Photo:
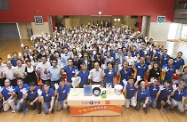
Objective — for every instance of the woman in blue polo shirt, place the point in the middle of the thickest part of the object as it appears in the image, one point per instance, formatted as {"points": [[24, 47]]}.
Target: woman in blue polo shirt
{"points": [[143, 95], [70, 70], [83, 74], [7, 94], [178, 96], [33, 97], [169, 69], [130, 91], [164, 94], [125, 72], [48, 98], [109, 74], [62, 93], [22, 91]]}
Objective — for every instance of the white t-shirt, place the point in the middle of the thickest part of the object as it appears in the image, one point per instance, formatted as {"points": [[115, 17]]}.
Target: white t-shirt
{"points": [[41, 68], [9, 73]]}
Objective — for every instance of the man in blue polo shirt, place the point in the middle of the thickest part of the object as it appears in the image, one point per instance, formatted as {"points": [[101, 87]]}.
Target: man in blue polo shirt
{"points": [[62, 93], [70, 70], [169, 69], [83, 74], [178, 96], [7, 94], [164, 58], [178, 61], [125, 72], [22, 91], [48, 97], [143, 95], [130, 91], [33, 97], [141, 68], [164, 94]]}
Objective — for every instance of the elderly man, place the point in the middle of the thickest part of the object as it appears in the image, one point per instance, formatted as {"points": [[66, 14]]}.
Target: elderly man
{"points": [[10, 73], [96, 74], [20, 69]]}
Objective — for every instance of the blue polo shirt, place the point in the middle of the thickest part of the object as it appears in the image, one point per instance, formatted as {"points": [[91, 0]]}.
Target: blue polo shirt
{"points": [[70, 72], [13, 61], [32, 95], [6, 93], [130, 91], [18, 90], [109, 77], [142, 53], [54, 73], [63, 92], [178, 95], [164, 93], [170, 72], [153, 90], [178, 63], [84, 76], [134, 53], [165, 59], [141, 69], [148, 62], [142, 95], [125, 75], [48, 96]]}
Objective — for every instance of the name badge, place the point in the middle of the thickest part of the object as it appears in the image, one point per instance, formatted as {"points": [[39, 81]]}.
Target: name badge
{"points": [[46, 95], [109, 72], [63, 91]]}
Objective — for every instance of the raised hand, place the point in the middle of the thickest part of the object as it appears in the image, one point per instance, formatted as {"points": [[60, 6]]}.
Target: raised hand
{"points": [[56, 86], [39, 92]]}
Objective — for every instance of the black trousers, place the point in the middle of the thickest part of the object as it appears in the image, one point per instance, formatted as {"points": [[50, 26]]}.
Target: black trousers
{"points": [[138, 105], [166, 105], [37, 104], [2, 81], [53, 83], [13, 82]]}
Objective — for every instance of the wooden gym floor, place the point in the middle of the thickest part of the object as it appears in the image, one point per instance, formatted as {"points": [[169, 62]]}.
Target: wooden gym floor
{"points": [[128, 115]]}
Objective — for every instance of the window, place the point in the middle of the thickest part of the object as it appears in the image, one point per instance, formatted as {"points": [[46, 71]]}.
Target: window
{"points": [[4, 4]]}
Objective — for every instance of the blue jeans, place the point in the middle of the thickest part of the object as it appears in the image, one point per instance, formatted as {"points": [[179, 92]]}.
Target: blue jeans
{"points": [[21, 106], [47, 106], [152, 102]]}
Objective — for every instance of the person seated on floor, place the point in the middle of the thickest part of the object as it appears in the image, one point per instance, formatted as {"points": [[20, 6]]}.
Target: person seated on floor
{"points": [[22, 91], [164, 94], [33, 97], [7, 94], [178, 96], [143, 95], [62, 91], [48, 97], [130, 91]]}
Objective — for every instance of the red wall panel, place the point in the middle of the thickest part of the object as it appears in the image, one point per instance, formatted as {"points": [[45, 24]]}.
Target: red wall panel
{"points": [[24, 10]]}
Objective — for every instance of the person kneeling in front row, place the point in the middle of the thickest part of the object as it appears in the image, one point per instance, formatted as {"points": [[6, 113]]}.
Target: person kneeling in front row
{"points": [[142, 95], [48, 97], [178, 96], [7, 94], [22, 91], [62, 91], [33, 97], [130, 91]]}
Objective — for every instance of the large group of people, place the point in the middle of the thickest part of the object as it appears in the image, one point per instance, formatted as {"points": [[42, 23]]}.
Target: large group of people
{"points": [[101, 55]]}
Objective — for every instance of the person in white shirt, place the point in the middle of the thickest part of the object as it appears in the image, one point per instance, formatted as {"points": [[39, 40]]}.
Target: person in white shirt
{"points": [[20, 69], [129, 58], [66, 56], [41, 67], [10, 73], [96, 74], [2, 68]]}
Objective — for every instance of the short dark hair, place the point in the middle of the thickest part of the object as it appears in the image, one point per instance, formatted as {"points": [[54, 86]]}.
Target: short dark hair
{"points": [[47, 83], [62, 80], [32, 83]]}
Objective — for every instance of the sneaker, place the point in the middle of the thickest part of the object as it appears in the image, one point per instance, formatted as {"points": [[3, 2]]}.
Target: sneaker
{"points": [[164, 110], [39, 111], [25, 111], [13, 111], [145, 110]]}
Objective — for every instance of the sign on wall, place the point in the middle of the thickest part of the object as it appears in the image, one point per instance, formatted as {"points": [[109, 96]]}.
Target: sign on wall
{"points": [[38, 20], [161, 19]]}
